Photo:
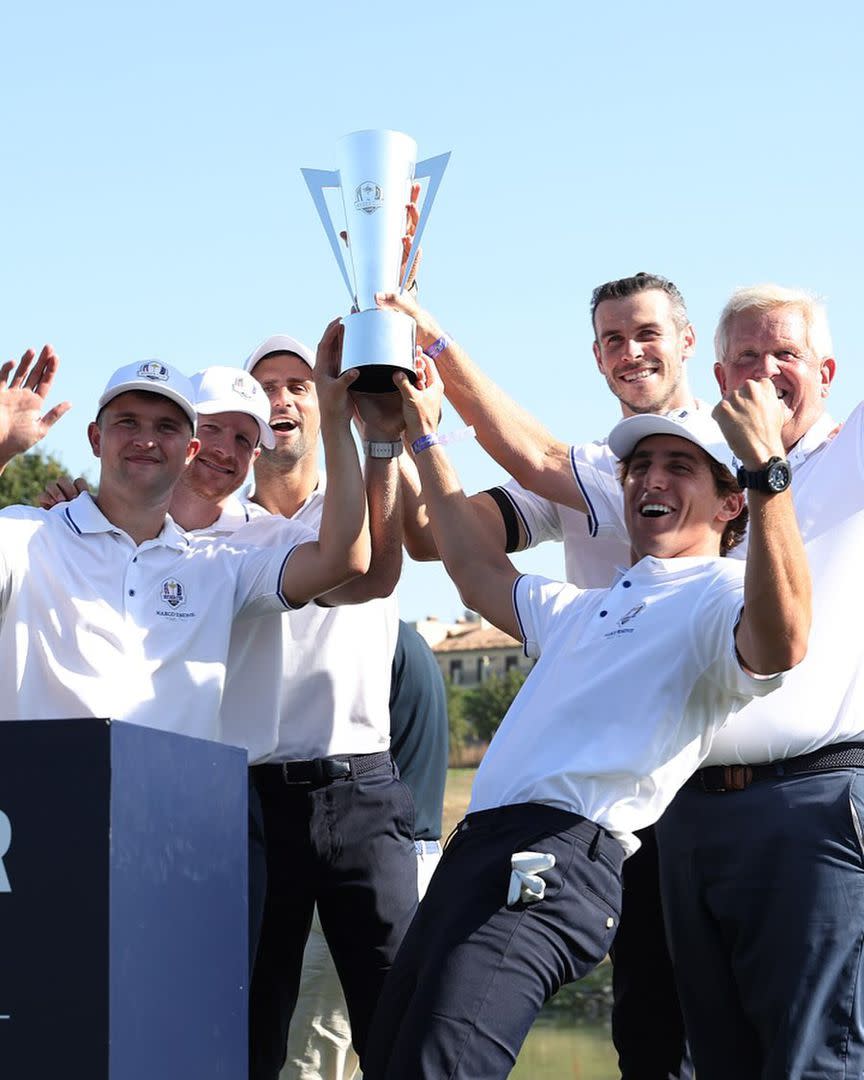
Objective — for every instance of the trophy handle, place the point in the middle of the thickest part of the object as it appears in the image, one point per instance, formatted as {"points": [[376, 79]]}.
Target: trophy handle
{"points": [[316, 181], [433, 170]]}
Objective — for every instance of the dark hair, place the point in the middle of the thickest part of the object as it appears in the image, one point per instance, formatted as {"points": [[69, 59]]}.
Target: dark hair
{"points": [[641, 282], [724, 484]]}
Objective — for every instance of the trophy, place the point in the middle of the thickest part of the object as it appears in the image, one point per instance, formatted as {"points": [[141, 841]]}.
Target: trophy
{"points": [[376, 170]]}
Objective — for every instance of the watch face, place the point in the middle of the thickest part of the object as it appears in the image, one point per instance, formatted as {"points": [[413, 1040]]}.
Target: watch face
{"points": [[779, 476]]}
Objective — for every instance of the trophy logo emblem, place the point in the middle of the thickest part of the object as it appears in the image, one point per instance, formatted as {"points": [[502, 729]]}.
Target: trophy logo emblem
{"points": [[173, 592], [377, 341], [367, 197], [152, 369]]}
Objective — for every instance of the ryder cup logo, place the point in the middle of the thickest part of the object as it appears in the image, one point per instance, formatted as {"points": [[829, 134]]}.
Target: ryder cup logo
{"points": [[173, 592], [153, 370], [5, 843], [367, 197]]}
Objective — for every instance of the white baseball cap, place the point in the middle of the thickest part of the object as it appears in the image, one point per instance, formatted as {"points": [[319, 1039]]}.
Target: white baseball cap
{"points": [[280, 343], [225, 389], [156, 378], [697, 426]]}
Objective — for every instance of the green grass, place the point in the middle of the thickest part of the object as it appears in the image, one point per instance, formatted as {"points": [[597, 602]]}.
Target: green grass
{"points": [[456, 796]]}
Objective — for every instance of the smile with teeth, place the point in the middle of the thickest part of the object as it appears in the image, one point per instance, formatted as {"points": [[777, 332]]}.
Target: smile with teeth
{"points": [[283, 425], [655, 509], [637, 376]]}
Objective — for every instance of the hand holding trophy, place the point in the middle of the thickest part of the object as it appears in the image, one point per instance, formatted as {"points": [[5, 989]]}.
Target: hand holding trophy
{"points": [[375, 175]]}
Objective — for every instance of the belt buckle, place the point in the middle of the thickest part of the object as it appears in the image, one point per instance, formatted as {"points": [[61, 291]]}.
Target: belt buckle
{"points": [[286, 779], [328, 769], [737, 777]]}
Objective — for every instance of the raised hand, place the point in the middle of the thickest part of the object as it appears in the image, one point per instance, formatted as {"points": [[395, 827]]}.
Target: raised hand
{"points": [[421, 403], [332, 388], [751, 419], [23, 390]]}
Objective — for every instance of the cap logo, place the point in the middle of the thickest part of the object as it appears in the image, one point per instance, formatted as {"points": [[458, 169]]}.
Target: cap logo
{"points": [[153, 370], [367, 197], [245, 386], [173, 592]]}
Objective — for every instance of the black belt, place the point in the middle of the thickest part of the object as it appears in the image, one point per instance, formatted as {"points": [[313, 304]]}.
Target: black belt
{"points": [[318, 771], [720, 778]]}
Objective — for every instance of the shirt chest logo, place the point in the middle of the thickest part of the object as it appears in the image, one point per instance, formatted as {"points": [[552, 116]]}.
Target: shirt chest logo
{"points": [[173, 593], [631, 614]]}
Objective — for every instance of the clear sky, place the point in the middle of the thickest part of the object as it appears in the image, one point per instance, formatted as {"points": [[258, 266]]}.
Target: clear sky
{"points": [[151, 202]]}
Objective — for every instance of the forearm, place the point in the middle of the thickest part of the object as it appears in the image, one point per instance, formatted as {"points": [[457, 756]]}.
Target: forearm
{"points": [[514, 438], [341, 551], [475, 562], [775, 625], [384, 499]]}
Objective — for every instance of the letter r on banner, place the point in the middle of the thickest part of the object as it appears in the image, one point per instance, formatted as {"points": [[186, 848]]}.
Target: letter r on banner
{"points": [[5, 841]]}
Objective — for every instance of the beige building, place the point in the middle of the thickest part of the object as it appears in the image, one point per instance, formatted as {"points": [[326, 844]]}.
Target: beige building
{"points": [[472, 650]]}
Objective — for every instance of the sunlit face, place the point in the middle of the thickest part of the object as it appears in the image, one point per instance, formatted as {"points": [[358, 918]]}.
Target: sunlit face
{"points": [[144, 442], [294, 416], [773, 345], [228, 448], [641, 351], [671, 504]]}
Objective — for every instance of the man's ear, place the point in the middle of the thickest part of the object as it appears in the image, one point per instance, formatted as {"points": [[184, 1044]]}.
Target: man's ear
{"points": [[732, 505], [192, 450], [688, 339], [596, 349], [720, 376], [827, 369], [94, 437]]}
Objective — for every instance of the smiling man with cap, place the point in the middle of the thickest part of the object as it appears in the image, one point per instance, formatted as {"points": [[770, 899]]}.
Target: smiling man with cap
{"points": [[151, 610], [630, 685]]}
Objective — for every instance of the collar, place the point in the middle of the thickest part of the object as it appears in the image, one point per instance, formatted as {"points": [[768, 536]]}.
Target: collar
{"points": [[84, 517], [814, 439], [650, 566]]}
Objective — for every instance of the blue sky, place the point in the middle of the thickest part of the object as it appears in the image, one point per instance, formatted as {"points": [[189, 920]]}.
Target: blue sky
{"points": [[151, 202]]}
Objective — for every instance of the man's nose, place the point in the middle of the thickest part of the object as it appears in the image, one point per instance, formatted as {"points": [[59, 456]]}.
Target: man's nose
{"points": [[633, 349], [766, 367]]}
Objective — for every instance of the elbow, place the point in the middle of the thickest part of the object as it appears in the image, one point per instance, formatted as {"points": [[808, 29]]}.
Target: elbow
{"points": [[359, 560]]}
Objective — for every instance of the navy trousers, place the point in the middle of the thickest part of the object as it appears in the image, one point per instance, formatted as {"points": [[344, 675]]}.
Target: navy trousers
{"points": [[763, 891], [473, 972], [647, 1025], [348, 846]]}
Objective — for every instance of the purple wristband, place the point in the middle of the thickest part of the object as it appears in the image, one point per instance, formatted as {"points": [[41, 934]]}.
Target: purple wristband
{"points": [[424, 442], [437, 347]]}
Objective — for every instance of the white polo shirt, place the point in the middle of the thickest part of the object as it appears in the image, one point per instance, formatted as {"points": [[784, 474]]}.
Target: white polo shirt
{"points": [[593, 547], [822, 700], [92, 624], [332, 685], [253, 680], [631, 684]]}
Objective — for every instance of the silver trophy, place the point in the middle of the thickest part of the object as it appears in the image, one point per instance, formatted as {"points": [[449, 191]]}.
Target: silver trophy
{"points": [[376, 170]]}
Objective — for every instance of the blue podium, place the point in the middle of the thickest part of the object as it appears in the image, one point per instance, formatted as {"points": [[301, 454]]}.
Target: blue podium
{"points": [[123, 904]]}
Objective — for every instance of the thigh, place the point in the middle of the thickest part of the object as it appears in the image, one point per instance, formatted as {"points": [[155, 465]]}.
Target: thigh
{"points": [[473, 972], [781, 887], [367, 894], [647, 1025], [288, 908]]}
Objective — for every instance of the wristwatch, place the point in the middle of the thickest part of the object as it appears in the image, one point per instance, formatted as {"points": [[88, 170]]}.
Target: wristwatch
{"points": [[775, 476], [382, 449]]}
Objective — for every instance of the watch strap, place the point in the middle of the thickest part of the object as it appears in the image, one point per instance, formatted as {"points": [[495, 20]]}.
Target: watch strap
{"points": [[382, 449]]}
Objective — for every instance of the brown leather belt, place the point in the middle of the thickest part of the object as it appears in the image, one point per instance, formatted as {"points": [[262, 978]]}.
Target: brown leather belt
{"points": [[722, 778]]}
